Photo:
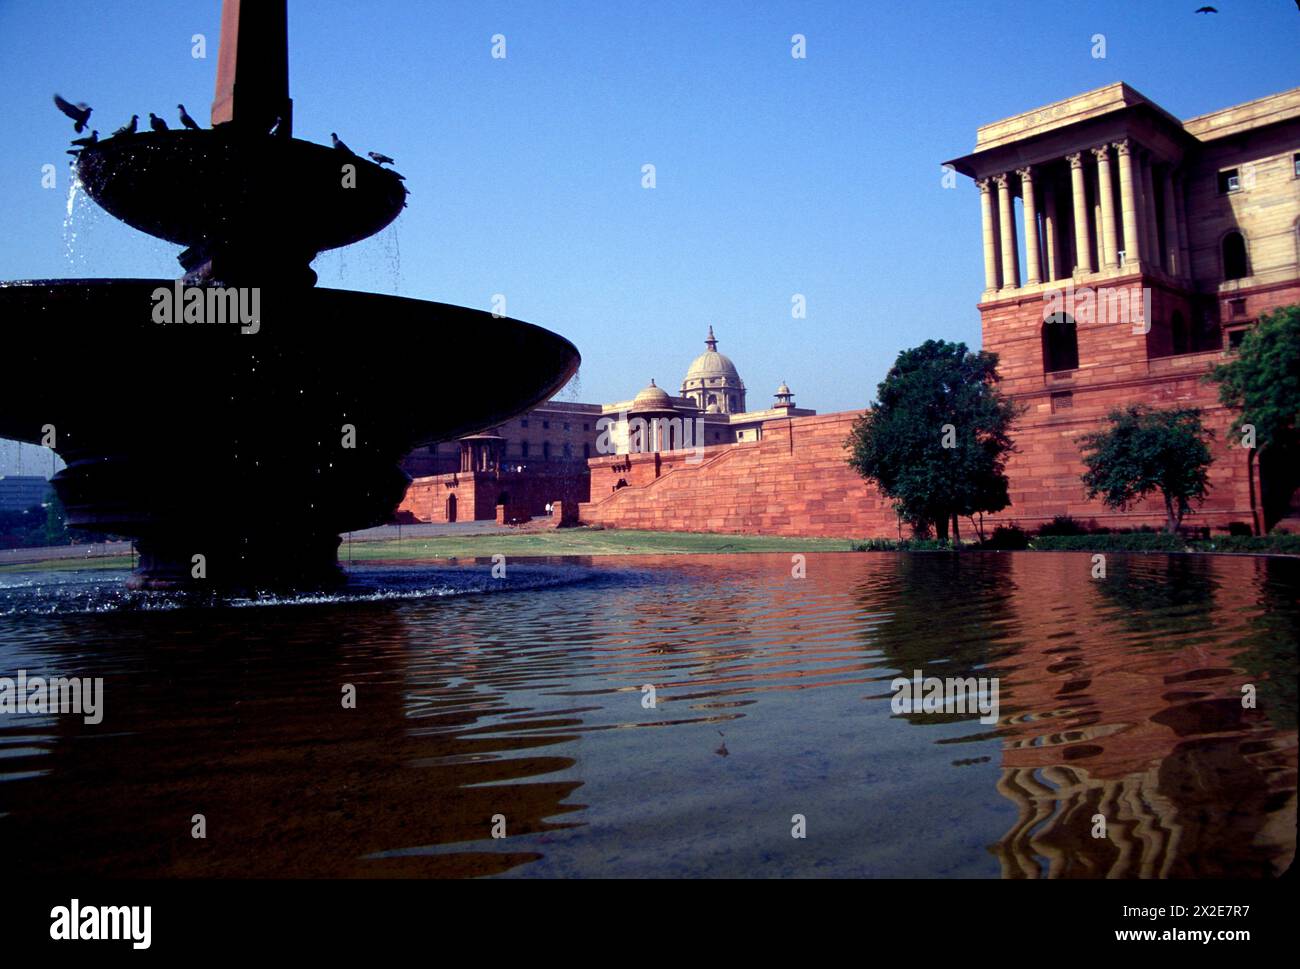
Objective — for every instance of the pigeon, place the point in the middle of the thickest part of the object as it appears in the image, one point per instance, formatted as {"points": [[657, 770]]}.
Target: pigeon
{"points": [[79, 112], [339, 146], [186, 120], [157, 123], [128, 128], [279, 129], [87, 141], [1207, 10], [379, 158]]}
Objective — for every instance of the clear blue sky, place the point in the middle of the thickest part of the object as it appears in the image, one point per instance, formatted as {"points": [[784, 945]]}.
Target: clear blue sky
{"points": [[775, 176]]}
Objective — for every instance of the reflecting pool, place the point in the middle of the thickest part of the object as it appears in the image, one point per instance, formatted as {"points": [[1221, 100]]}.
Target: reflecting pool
{"points": [[666, 716]]}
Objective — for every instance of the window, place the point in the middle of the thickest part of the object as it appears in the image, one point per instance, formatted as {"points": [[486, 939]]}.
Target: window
{"points": [[731, 401], [523, 448], [568, 450], [586, 450], [546, 450], [1062, 401], [1234, 256], [524, 422], [1060, 344], [1295, 163], [586, 427], [1236, 335], [1228, 181], [1179, 335], [1237, 308], [546, 425], [713, 398], [566, 425]]}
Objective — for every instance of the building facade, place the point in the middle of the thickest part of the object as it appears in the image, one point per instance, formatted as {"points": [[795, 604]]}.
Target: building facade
{"points": [[1126, 253], [546, 455]]}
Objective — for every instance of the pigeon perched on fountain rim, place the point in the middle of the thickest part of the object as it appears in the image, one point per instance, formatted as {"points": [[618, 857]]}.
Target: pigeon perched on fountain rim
{"points": [[128, 128], [79, 112], [186, 120], [339, 145], [157, 123]]}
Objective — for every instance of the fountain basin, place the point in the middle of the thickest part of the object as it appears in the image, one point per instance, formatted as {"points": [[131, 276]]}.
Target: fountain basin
{"points": [[198, 438], [223, 187]]}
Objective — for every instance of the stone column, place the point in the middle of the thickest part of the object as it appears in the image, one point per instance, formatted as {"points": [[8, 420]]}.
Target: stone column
{"points": [[1172, 259], [990, 242], [1128, 202], [1082, 233], [1184, 251], [1151, 224], [1007, 223], [1033, 271], [1051, 229], [1105, 189]]}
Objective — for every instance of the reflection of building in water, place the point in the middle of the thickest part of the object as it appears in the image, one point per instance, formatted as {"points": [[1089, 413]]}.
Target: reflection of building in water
{"points": [[1150, 734]]}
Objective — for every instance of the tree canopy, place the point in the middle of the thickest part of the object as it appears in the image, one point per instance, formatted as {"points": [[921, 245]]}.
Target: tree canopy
{"points": [[937, 436], [1144, 451], [1263, 381]]}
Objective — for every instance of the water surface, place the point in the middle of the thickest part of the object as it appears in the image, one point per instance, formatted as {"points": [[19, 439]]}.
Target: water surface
{"points": [[521, 699]]}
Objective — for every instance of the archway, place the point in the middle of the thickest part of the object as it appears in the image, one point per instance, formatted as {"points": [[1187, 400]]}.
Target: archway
{"points": [[1060, 343], [451, 508], [1234, 256]]}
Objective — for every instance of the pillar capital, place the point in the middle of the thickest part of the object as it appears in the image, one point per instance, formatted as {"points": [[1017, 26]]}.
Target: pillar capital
{"points": [[1075, 160], [1101, 152], [1123, 147], [1026, 174], [1000, 180], [983, 184]]}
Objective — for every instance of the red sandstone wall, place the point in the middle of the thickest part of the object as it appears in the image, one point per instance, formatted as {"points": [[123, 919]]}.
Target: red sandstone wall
{"points": [[477, 493], [795, 481]]}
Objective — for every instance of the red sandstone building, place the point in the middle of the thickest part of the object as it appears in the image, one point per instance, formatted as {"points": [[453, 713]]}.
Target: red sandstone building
{"points": [[515, 470], [1125, 253]]}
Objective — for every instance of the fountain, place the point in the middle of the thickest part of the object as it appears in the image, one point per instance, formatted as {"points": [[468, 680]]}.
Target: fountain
{"points": [[245, 446]]}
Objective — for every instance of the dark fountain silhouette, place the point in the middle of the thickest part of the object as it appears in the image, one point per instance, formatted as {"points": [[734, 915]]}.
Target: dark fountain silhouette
{"points": [[255, 445]]}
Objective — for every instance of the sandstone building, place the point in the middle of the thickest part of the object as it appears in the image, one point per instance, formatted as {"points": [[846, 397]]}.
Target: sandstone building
{"points": [[1125, 253], [516, 469]]}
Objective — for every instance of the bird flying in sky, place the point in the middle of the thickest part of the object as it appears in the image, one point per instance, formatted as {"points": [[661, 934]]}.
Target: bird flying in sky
{"points": [[79, 112]]}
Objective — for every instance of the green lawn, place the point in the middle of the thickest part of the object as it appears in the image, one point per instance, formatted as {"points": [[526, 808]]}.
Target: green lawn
{"points": [[584, 541], [561, 541]]}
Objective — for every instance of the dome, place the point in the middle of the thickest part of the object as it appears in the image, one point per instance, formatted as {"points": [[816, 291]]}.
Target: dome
{"points": [[783, 390], [713, 383], [712, 364], [652, 398]]}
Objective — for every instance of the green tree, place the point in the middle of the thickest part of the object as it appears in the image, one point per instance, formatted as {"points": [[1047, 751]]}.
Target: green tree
{"points": [[937, 436], [1144, 451], [1262, 383]]}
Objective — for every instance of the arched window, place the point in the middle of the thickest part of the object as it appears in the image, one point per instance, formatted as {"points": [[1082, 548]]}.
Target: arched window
{"points": [[1234, 256], [731, 401], [1060, 343], [1179, 334]]}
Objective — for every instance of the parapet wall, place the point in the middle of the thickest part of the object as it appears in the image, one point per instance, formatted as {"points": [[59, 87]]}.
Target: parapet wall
{"points": [[794, 481]]}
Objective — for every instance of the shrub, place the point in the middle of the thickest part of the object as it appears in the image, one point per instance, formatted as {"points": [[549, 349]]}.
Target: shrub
{"points": [[1008, 538], [1063, 525]]}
